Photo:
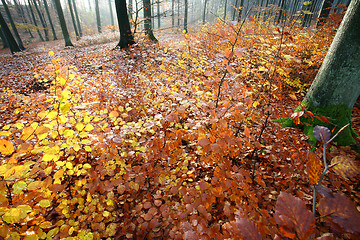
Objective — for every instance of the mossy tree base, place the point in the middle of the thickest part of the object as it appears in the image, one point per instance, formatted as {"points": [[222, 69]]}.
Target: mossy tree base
{"points": [[338, 116]]}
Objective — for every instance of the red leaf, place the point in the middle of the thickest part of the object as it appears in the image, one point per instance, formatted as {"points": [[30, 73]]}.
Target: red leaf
{"points": [[248, 229], [293, 216]]}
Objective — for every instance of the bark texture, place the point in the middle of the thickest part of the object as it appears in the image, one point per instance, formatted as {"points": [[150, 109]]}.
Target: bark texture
{"points": [[126, 37]]}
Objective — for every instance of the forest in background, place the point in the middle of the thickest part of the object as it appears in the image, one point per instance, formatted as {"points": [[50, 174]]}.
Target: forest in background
{"points": [[176, 139]]}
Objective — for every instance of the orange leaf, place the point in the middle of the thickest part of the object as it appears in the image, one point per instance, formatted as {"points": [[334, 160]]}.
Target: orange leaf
{"points": [[6, 147], [247, 132], [313, 168]]}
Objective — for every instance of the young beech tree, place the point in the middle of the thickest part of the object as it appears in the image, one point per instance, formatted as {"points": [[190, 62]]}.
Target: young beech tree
{"points": [[147, 21], [336, 87], [64, 29], [126, 37]]}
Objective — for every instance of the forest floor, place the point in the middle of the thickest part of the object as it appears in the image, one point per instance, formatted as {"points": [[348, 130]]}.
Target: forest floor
{"points": [[144, 144]]}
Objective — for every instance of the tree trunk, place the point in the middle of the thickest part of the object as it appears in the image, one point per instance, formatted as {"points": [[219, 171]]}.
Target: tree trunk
{"points": [[50, 21], [3, 39], [21, 13], [111, 14], [225, 9], [17, 36], [126, 37], [147, 21], [34, 20], [337, 85], [158, 13], [325, 11], [77, 18], [14, 47], [204, 11], [73, 19], [42, 21], [172, 13], [186, 15], [98, 20], [64, 29]]}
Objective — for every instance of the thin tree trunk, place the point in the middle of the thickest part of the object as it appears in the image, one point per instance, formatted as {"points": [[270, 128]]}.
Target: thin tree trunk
{"points": [[42, 20], [111, 14], [98, 20], [225, 9], [64, 29], [158, 13], [147, 21], [73, 19], [50, 21], [77, 18], [21, 13], [126, 37], [186, 16], [14, 47], [17, 36], [178, 13], [172, 13], [34, 20], [204, 11]]}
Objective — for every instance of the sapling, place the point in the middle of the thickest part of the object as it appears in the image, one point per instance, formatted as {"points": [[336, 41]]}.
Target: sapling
{"points": [[323, 134]]}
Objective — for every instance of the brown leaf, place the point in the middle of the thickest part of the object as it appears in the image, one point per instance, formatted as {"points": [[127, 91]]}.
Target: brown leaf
{"points": [[248, 229], [345, 166], [293, 216], [313, 168], [342, 212]]}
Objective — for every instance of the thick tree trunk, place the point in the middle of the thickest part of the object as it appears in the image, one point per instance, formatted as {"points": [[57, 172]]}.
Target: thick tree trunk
{"points": [[204, 11], [158, 13], [50, 21], [337, 85], [147, 21], [3, 39], [14, 47], [126, 37], [64, 29], [17, 36], [98, 20]]}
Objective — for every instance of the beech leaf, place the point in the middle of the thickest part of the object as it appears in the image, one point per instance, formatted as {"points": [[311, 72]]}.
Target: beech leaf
{"points": [[293, 216], [322, 134]]}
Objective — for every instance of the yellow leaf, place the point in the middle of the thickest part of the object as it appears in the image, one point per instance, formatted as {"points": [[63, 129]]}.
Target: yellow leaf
{"points": [[12, 216], [48, 157], [68, 133], [20, 125], [45, 203], [69, 165], [6, 147], [65, 108], [26, 133], [51, 53], [255, 104], [5, 133], [52, 114], [76, 147], [89, 127], [87, 166], [35, 185], [79, 126], [87, 148]]}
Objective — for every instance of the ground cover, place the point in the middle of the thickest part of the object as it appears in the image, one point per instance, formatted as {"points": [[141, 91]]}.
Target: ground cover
{"points": [[172, 140]]}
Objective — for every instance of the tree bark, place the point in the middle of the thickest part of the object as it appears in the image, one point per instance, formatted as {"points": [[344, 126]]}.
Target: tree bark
{"points": [[186, 16], [204, 11], [63, 26], [77, 18], [126, 37], [21, 13], [111, 14], [158, 13], [3, 39], [336, 87], [73, 18], [17, 36], [98, 20], [34, 20], [42, 20], [14, 47], [147, 21], [50, 21], [325, 11]]}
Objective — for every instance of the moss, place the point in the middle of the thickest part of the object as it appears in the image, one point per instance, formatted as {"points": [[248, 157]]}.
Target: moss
{"points": [[338, 116]]}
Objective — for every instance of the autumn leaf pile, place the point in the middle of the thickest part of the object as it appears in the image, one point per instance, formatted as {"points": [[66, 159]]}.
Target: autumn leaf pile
{"points": [[171, 141]]}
